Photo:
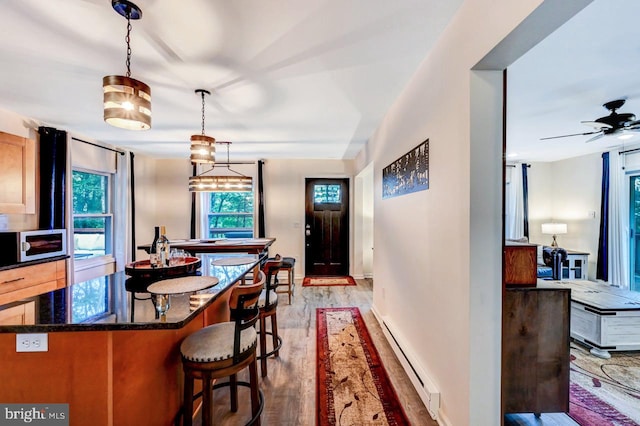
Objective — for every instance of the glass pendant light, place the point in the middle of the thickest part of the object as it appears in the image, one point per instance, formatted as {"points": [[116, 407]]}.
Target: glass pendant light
{"points": [[203, 148], [127, 101], [230, 183]]}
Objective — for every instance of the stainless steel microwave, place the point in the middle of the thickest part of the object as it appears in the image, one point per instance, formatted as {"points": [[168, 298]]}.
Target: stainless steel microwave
{"points": [[23, 246]]}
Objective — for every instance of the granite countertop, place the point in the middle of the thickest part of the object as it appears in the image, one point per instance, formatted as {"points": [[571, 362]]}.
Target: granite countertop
{"points": [[119, 302]]}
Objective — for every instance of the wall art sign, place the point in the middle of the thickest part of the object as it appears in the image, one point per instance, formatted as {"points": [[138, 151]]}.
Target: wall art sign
{"points": [[409, 173]]}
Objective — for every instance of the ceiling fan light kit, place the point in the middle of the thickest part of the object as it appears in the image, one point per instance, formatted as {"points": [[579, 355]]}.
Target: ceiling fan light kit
{"points": [[203, 148], [613, 124], [127, 101]]}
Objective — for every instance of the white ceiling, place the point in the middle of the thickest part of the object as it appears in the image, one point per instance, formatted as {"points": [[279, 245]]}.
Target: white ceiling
{"points": [[592, 59], [289, 78]]}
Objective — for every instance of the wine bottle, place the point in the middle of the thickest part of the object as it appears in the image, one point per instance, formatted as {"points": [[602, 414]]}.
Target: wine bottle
{"points": [[163, 247], [154, 256]]}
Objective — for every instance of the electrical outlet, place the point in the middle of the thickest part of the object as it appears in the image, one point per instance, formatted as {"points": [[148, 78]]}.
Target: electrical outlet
{"points": [[32, 342]]}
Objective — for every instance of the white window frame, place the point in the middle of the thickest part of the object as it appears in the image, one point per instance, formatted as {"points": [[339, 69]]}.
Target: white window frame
{"points": [[207, 214], [108, 257]]}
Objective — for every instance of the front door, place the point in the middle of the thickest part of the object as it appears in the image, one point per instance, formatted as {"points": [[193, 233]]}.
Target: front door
{"points": [[327, 226]]}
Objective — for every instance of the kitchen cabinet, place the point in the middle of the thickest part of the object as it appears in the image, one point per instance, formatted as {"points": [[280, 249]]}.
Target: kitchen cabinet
{"points": [[19, 314], [17, 175], [27, 281]]}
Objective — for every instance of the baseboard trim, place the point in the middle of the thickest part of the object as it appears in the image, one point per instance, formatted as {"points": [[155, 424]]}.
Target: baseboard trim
{"points": [[418, 377]]}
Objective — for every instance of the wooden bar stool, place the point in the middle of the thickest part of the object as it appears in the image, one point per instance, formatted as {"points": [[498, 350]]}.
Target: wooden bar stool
{"points": [[268, 305], [288, 264], [222, 350]]}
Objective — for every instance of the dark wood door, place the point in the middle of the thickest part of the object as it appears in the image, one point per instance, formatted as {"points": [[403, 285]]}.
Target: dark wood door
{"points": [[327, 227]]}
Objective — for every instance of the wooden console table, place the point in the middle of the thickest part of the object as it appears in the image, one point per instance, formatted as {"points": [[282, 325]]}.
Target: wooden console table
{"points": [[535, 350]]}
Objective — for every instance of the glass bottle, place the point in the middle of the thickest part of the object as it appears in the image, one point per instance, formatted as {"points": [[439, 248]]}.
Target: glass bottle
{"points": [[163, 248], [154, 256]]}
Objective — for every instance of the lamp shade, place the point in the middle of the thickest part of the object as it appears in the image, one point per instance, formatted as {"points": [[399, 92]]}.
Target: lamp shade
{"points": [[221, 183], [554, 228], [203, 149], [127, 102]]}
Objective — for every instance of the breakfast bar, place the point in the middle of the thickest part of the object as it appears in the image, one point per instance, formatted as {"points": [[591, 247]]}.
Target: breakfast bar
{"points": [[111, 353]]}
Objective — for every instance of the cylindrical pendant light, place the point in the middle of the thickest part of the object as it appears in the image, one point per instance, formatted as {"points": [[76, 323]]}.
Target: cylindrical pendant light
{"points": [[127, 101], [203, 148], [229, 183]]}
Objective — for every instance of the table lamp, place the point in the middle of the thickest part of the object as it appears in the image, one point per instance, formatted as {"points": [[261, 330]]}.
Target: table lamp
{"points": [[554, 229]]}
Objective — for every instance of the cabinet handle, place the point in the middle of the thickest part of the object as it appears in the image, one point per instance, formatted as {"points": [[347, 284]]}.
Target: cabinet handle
{"points": [[12, 281]]}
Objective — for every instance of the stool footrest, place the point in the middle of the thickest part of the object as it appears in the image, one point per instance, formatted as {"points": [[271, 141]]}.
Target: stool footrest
{"points": [[239, 383], [274, 350]]}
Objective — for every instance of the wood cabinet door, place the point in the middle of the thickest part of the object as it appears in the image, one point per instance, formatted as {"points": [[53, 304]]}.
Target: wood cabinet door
{"points": [[17, 175]]}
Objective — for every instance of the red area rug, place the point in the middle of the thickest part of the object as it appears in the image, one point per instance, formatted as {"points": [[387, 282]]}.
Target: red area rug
{"points": [[352, 385], [327, 281]]}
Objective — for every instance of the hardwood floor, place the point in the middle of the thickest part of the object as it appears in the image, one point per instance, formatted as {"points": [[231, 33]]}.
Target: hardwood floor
{"points": [[290, 388]]}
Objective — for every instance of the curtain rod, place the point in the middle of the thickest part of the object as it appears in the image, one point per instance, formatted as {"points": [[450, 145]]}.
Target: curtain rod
{"points": [[629, 151], [99, 146], [516, 165]]}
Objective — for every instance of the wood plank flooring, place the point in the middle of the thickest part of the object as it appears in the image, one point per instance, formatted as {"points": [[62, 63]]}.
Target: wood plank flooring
{"points": [[290, 388]]}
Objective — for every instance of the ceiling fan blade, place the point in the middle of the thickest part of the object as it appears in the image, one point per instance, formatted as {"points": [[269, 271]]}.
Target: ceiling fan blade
{"points": [[594, 138], [566, 136], [597, 125], [633, 125]]}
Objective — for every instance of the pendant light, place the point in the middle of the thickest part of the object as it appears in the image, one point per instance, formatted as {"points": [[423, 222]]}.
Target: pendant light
{"points": [[230, 183], [203, 148], [127, 101]]}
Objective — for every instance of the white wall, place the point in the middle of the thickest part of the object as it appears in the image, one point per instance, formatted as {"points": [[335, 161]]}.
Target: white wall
{"points": [[568, 191], [437, 263], [284, 202], [162, 198]]}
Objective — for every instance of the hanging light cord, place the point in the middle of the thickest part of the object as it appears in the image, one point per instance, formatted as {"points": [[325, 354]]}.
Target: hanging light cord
{"points": [[202, 94], [227, 164], [128, 40]]}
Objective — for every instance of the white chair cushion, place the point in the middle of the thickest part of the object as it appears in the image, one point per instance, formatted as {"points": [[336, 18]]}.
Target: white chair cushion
{"points": [[273, 298], [215, 342]]}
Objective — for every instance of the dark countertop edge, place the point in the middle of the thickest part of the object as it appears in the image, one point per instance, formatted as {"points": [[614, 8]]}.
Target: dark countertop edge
{"points": [[33, 262], [170, 325], [107, 326]]}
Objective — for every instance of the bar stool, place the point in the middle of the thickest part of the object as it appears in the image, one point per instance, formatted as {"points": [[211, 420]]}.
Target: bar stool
{"points": [[288, 264], [268, 305], [222, 350]]}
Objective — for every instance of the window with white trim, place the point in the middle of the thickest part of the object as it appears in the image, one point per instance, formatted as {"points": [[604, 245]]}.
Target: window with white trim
{"points": [[92, 214], [229, 215]]}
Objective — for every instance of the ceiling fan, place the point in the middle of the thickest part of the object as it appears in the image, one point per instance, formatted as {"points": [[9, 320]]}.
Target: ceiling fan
{"points": [[613, 123]]}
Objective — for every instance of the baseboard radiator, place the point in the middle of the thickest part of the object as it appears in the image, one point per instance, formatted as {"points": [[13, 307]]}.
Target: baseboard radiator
{"points": [[419, 378]]}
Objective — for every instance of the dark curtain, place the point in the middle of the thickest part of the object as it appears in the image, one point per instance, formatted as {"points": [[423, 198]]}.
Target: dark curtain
{"points": [[261, 225], [132, 175], [192, 229], [525, 199], [53, 172], [602, 270]]}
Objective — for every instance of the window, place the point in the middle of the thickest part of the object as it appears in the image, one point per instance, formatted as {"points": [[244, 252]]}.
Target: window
{"points": [[92, 217], [230, 215], [326, 194]]}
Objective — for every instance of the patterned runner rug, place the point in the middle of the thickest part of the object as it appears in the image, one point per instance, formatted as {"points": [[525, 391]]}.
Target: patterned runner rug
{"points": [[604, 391], [324, 281], [352, 385]]}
